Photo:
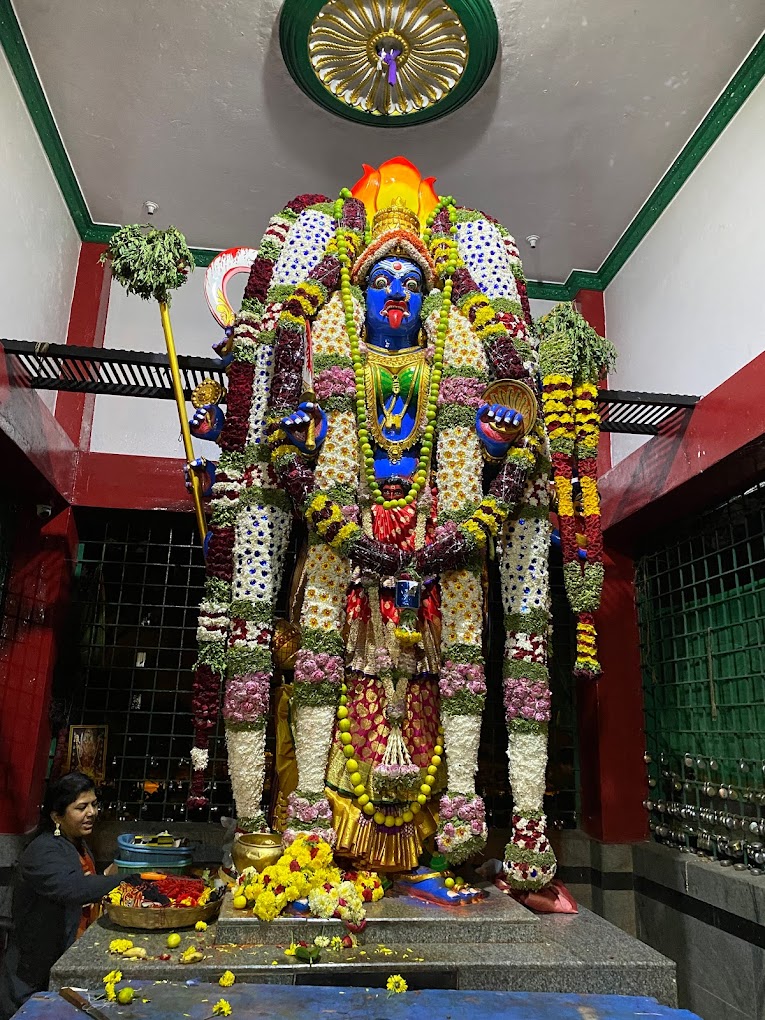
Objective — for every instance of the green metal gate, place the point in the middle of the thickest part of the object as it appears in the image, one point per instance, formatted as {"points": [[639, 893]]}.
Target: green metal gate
{"points": [[701, 606]]}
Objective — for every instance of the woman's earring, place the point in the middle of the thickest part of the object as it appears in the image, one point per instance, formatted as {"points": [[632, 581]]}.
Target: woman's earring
{"points": [[57, 830]]}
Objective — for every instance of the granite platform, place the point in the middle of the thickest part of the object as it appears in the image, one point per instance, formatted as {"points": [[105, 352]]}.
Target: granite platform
{"points": [[565, 953], [397, 920], [168, 1002]]}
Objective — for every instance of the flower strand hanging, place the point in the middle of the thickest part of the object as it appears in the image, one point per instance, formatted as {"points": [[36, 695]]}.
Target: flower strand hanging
{"points": [[572, 358]]}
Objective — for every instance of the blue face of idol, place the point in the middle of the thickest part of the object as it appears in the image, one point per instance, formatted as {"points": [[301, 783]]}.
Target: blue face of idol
{"points": [[394, 303]]}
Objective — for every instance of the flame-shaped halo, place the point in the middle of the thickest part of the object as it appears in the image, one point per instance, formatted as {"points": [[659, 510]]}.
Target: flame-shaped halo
{"points": [[396, 180], [396, 183]]}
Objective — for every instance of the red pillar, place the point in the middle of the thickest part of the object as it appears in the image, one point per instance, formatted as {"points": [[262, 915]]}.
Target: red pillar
{"points": [[35, 608], [87, 327], [592, 307], [610, 711]]}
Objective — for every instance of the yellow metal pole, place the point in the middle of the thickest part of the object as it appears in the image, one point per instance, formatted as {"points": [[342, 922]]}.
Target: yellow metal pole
{"points": [[180, 400]]}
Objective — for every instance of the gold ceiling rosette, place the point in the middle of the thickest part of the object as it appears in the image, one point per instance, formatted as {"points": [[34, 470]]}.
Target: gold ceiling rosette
{"points": [[389, 62], [392, 57]]}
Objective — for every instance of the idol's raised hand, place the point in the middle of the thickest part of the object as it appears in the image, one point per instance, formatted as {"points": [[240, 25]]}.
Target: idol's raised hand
{"points": [[498, 427], [207, 422], [298, 427]]}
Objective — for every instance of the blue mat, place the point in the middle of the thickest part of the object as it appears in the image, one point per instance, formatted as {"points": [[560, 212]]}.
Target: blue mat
{"points": [[287, 1002]]}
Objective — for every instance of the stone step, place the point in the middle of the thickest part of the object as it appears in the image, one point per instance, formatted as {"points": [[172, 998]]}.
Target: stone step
{"points": [[395, 920], [580, 954]]}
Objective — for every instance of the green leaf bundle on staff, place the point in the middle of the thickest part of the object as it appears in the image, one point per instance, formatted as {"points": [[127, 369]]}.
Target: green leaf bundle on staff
{"points": [[152, 263]]}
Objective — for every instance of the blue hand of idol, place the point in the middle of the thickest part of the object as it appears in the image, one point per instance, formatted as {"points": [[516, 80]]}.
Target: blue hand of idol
{"points": [[498, 427], [296, 427], [394, 304], [556, 541], [205, 472], [223, 348], [207, 422]]}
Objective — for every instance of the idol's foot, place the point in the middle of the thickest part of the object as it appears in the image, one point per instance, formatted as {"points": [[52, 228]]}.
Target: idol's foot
{"points": [[437, 887], [529, 858]]}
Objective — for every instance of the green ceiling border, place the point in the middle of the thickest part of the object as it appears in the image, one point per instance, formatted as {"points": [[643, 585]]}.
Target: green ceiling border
{"points": [[19, 58], [706, 134], [730, 101]]}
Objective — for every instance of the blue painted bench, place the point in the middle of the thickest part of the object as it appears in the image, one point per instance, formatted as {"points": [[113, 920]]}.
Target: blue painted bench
{"points": [[171, 1001]]}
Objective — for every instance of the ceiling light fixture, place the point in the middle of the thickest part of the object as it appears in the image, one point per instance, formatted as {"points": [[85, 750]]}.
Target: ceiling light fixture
{"points": [[389, 64]]}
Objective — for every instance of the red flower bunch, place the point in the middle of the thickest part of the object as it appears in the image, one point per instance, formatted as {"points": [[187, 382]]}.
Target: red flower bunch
{"points": [[301, 202], [240, 382]]}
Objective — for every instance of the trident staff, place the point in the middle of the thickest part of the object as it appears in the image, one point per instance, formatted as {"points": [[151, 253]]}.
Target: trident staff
{"points": [[151, 263]]}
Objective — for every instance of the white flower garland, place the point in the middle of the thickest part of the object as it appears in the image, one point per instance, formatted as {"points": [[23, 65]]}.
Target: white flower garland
{"points": [[303, 247], [246, 766], [313, 734], [483, 250], [462, 735], [527, 757], [326, 582], [461, 609]]}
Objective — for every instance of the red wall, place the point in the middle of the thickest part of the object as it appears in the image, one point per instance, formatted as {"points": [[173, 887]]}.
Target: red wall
{"points": [[35, 609]]}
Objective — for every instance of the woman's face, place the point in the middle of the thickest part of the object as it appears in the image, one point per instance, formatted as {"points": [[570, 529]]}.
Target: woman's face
{"points": [[78, 819]]}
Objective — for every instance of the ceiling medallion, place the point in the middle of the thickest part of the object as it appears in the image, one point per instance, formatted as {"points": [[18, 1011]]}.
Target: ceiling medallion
{"points": [[389, 63]]}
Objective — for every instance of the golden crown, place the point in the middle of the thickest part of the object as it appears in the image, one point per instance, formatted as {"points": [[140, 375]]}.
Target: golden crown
{"points": [[396, 216]]}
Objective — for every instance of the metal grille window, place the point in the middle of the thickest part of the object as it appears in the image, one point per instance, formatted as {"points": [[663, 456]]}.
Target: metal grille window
{"points": [[701, 604], [129, 662]]}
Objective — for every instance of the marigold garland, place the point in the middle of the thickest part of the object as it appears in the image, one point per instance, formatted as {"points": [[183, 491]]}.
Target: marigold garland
{"points": [[573, 358]]}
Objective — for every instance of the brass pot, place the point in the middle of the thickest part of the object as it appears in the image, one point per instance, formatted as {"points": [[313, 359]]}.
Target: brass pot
{"points": [[256, 850]]}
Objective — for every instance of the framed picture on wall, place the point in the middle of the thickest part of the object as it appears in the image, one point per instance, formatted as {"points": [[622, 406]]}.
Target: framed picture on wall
{"points": [[87, 751]]}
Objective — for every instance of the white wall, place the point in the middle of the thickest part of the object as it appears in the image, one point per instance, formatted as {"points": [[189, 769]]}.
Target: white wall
{"points": [[150, 428], [39, 246], [688, 308]]}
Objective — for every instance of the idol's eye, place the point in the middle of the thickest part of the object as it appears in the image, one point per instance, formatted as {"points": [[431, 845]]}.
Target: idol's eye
{"points": [[380, 282], [413, 284]]}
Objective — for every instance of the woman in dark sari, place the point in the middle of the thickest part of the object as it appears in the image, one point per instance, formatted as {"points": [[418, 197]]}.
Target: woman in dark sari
{"points": [[56, 890]]}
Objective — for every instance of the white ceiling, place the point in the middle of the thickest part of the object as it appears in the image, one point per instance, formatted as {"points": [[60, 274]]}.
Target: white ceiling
{"points": [[188, 103]]}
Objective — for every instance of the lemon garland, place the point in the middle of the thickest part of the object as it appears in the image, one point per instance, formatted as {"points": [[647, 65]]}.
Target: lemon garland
{"points": [[363, 800], [445, 256]]}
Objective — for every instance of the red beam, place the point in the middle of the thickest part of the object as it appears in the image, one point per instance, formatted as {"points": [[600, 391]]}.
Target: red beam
{"points": [[35, 608], [87, 327], [610, 716], [715, 450], [125, 482]]}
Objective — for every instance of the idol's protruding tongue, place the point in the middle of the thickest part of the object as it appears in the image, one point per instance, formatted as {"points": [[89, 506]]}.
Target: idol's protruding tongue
{"points": [[396, 313]]}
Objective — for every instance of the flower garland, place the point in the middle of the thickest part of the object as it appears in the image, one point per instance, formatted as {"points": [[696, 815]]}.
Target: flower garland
{"points": [[249, 531], [529, 859], [573, 358]]}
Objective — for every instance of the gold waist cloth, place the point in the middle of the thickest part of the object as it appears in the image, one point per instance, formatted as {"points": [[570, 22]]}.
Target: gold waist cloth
{"points": [[369, 846]]}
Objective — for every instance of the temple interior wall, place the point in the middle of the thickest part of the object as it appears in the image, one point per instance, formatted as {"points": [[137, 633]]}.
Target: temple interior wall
{"points": [[685, 311], [39, 244]]}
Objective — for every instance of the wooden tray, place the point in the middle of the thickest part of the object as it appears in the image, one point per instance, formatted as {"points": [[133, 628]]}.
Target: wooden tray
{"points": [[161, 917]]}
